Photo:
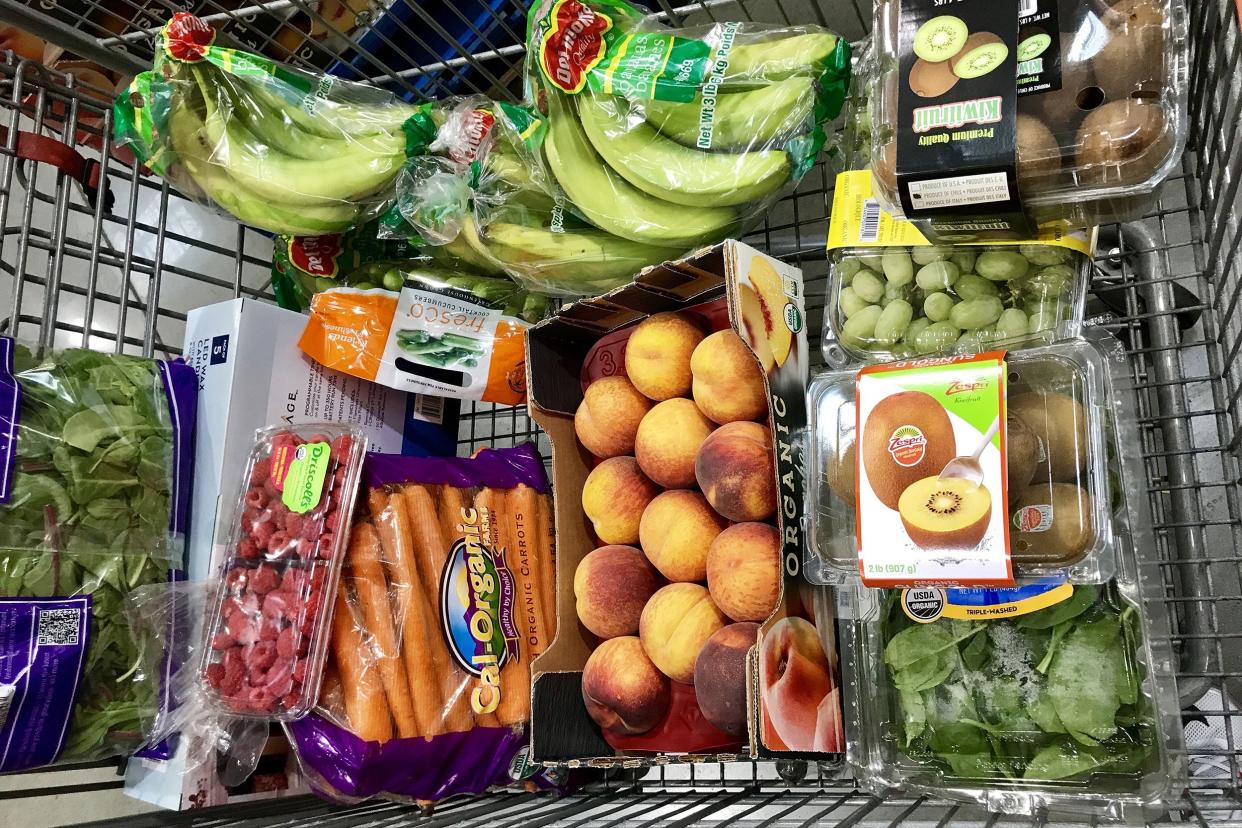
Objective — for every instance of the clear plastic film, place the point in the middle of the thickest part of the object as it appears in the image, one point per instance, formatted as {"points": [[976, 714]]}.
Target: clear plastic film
{"points": [[94, 475], [617, 161], [1091, 148], [278, 148], [446, 596]]}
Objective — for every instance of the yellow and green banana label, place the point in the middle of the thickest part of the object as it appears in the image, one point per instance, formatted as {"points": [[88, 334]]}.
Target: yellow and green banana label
{"points": [[139, 115]]}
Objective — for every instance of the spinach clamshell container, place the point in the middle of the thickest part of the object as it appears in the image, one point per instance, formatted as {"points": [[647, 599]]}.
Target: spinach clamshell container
{"points": [[1066, 703], [94, 483]]}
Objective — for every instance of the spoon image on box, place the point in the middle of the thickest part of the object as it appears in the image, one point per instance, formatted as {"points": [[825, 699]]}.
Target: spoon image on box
{"points": [[968, 468]]}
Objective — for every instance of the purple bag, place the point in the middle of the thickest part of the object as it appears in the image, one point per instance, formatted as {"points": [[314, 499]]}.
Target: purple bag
{"points": [[95, 467]]}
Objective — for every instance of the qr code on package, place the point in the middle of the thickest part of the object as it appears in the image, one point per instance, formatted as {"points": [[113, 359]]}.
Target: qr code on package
{"points": [[59, 627]]}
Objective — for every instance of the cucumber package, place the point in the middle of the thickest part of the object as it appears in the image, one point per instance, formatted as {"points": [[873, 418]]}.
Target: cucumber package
{"points": [[637, 144], [279, 149]]}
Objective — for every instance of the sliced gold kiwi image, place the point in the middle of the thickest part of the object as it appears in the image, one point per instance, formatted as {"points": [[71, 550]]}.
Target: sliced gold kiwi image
{"points": [[940, 38], [948, 513], [982, 53], [1034, 43]]}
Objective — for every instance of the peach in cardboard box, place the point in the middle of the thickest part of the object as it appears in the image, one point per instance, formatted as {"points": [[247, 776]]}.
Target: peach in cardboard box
{"points": [[768, 688]]}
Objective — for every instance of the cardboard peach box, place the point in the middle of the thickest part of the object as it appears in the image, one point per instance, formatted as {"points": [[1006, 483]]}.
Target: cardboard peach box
{"points": [[792, 678]]}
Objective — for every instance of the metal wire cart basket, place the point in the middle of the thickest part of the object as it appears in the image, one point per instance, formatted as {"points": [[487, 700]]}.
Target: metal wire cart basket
{"points": [[97, 254]]}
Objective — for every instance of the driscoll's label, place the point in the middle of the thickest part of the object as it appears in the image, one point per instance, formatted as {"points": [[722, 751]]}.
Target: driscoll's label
{"points": [[956, 162], [932, 481]]}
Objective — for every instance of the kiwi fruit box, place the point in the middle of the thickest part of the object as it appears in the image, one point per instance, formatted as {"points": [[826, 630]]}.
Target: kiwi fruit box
{"points": [[1092, 151], [1057, 457]]}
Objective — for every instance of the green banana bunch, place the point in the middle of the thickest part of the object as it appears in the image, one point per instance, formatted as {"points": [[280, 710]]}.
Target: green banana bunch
{"points": [[756, 117], [188, 135], [668, 170], [346, 172], [612, 203], [779, 58]]}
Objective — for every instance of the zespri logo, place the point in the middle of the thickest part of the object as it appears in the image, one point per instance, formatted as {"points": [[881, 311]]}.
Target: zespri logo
{"points": [[573, 44], [907, 445], [477, 592], [959, 387]]}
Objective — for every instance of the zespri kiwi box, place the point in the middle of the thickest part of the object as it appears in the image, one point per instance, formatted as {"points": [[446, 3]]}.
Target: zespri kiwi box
{"points": [[685, 629]]}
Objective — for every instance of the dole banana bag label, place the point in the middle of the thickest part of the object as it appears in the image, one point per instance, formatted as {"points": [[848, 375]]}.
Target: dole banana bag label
{"points": [[931, 472]]}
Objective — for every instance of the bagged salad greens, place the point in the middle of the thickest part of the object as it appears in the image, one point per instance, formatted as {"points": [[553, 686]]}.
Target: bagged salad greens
{"points": [[94, 481], [280, 149], [619, 160]]}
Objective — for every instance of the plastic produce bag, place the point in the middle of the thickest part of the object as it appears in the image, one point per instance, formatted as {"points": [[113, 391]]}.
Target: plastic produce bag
{"points": [[620, 160], [305, 265], [448, 593], [278, 148], [94, 482]]}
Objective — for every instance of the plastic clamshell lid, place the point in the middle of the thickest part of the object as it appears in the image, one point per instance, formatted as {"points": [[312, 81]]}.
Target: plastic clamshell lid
{"points": [[1057, 393], [1094, 150], [267, 636]]}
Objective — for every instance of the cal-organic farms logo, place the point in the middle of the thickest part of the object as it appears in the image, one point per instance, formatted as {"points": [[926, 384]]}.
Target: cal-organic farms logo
{"points": [[959, 387], [573, 44], [477, 592], [907, 445], [316, 255], [953, 115], [186, 38]]}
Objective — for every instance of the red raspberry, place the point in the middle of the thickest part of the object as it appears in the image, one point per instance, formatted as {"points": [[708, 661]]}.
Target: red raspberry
{"points": [[222, 641], [235, 580], [234, 670], [241, 627], [279, 679], [258, 657], [333, 520], [338, 478], [293, 580], [306, 549], [247, 549], [260, 471], [214, 674], [263, 533], [269, 629], [320, 438], [269, 486], [278, 544], [264, 580], [341, 448], [287, 643], [292, 699], [256, 498], [299, 670], [260, 700], [325, 546]]}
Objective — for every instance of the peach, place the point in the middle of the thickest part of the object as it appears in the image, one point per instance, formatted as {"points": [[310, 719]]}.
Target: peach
{"points": [[676, 531], [668, 441], [657, 355], [623, 691], [736, 471], [607, 419], [720, 676], [675, 625], [614, 496], [744, 571], [794, 678], [612, 585], [728, 384]]}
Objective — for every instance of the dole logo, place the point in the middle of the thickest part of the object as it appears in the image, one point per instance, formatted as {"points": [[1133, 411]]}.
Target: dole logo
{"points": [[573, 45], [186, 38], [907, 445]]}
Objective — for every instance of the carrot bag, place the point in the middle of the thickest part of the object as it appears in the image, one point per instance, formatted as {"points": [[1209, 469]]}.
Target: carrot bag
{"points": [[446, 596]]}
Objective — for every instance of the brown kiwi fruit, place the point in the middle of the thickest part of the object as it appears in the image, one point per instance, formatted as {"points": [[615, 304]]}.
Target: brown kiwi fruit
{"points": [[1062, 109], [931, 80], [884, 169], [1123, 142], [1132, 59], [1060, 424], [1039, 156], [839, 472], [1050, 525], [1023, 453]]}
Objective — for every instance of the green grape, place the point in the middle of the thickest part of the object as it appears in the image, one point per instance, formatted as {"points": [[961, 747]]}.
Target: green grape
{"points": [[915, 328], [936, 337], [868, 285], [965, 260], [937, 306], [851, 303], [976, 313], [927, 255], [893, 322], [1012, 323], [1045, 254], [860, 327], [1001, 265], [937, 276], [898, 268], [969, 286]]}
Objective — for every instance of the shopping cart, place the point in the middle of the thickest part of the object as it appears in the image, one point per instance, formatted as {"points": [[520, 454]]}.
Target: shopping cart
{"points": [[105, 256]]}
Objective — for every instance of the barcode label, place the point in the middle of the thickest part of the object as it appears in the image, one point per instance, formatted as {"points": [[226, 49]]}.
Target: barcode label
{"points": [[58, 627], [869, 230], [1027, 7], [7, 691], [429, 409]]}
